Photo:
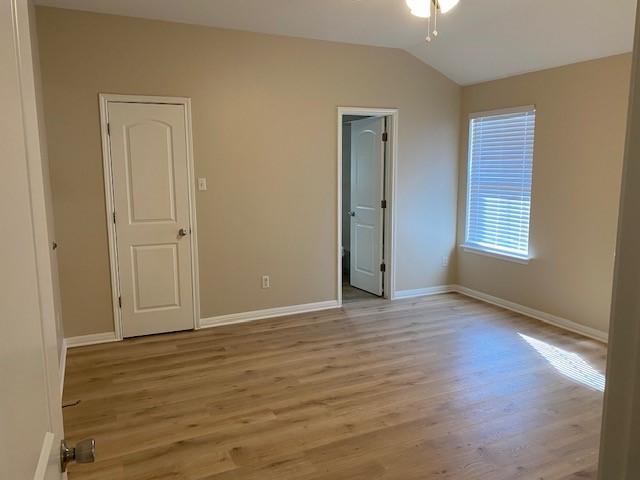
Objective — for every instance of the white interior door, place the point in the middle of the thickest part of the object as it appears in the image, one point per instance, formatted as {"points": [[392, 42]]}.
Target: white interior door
{"points": [[30, 410], [367, 193], [152, 214]]}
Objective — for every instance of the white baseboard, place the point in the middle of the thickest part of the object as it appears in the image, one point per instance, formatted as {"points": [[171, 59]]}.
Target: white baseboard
{"points": [[514, 307], [267, 313], [244, 317], [537, 314], [94, 339], [63, 365], [423, 292]]}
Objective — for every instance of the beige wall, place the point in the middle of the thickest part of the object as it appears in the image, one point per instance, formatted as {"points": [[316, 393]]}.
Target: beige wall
{"points": [[580, 130], [264, 125]]}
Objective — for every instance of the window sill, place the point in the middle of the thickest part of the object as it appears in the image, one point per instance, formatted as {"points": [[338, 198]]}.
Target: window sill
{"points": [[499, 256]]}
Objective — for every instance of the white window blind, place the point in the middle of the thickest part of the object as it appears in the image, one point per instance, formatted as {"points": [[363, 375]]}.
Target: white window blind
{"points": [[499, 182]]}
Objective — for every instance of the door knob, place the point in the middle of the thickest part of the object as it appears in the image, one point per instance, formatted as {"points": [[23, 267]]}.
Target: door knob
{"points": [[183, 232], [84, 452]]}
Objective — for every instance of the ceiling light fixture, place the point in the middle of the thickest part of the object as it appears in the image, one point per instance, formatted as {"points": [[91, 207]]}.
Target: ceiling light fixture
{"points": [[446, 5], [422, 9]]}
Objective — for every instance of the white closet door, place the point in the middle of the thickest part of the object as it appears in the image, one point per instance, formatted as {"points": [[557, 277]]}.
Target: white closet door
{"points": [[367, 193], [151, 196]]}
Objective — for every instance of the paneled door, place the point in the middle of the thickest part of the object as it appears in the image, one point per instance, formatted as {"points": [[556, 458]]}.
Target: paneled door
{"points": [[150, 172], [367, 193]]}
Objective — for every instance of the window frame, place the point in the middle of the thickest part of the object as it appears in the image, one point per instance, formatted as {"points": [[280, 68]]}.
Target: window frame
{"points": [[476, 249]]}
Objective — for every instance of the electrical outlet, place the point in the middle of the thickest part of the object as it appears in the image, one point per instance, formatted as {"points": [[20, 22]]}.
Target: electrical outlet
{"points": [[445, 261], [202, 184], [266, 281]]}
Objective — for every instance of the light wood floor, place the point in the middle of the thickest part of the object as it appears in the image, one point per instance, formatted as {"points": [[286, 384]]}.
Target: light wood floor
{"points": [[442, 387]]}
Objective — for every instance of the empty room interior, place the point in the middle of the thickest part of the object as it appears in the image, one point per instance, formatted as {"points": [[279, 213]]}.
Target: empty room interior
{"points": [[275, 239]]}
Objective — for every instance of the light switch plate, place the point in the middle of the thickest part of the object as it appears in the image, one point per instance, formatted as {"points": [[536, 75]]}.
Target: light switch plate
{"points": [[202, 184]]}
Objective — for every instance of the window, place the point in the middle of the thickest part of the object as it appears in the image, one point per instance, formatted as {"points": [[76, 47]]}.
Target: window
{"points": [[499, 182]]}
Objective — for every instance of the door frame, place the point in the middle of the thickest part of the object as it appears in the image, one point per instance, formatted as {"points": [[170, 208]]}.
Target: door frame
{"points": [[390, 187], [105, 99]]}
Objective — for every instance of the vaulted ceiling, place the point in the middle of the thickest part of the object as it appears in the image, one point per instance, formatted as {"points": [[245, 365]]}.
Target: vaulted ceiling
{"points": [[479, 40]]}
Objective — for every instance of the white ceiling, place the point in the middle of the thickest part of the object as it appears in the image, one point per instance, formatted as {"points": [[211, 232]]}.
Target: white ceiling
{"points": [[479, 40]]}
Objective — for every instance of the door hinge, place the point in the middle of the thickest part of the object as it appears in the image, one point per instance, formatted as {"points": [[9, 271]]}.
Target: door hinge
{"points": [[114, 217], [383, 267], [108, 129], [383, 204], [385, 137], [120, 302]]}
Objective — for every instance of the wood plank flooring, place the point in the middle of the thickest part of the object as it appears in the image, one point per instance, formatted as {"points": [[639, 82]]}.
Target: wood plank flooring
{"points": [[441, 387]]}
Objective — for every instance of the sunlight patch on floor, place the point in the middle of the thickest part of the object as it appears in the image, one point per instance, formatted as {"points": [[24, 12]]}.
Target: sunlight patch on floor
{"points": [[567, 363]]}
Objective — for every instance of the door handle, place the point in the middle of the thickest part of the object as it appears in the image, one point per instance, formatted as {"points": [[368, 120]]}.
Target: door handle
{"points": [[352, 214], [83, 452], [183, 232]]}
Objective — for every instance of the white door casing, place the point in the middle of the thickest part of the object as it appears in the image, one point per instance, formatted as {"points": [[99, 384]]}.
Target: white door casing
{"points": [[149, 149], [367, 193]]}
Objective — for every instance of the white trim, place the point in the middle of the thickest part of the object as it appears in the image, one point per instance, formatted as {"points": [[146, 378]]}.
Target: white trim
{"points": [[110, 207], [195, 264], [423, 292], [63, 365], [46, 453], [95, 339], [244, 317], [390, 218], [499, 256], [502, 111], [537, 314], [125, 98]]}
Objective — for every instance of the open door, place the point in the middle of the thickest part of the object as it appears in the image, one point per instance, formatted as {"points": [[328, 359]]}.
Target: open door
{"points": [[367, 194], [30, 404]]}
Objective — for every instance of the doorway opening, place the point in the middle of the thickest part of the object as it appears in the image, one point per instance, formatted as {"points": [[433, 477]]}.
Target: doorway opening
{"points": [[366, 168]]}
